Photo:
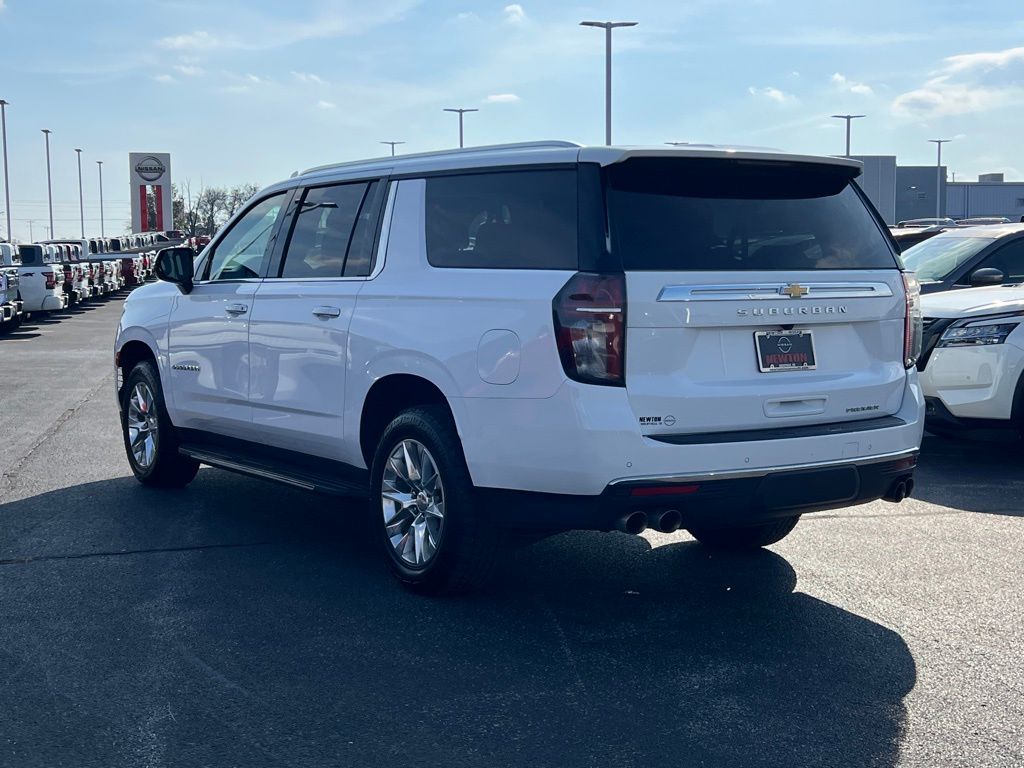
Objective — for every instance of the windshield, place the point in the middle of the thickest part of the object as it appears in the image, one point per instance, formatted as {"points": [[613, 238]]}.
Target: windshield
{"points": [[938, 258], [711, 215]]}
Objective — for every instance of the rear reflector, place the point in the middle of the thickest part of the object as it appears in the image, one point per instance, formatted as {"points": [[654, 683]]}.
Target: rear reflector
{"points": [[664, 490]]}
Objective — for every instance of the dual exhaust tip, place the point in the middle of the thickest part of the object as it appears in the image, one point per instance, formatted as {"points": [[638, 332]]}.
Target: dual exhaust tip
{"points": [[900, 490], [670, 520], [662, 520]]}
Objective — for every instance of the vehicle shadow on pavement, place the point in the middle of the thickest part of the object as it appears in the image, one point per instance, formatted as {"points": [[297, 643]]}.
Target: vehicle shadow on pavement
{"points": [[241, 623], [973, 475]]}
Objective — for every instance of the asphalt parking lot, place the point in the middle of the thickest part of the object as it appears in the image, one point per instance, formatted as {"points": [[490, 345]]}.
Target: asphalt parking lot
{"points": [[238, 623]]}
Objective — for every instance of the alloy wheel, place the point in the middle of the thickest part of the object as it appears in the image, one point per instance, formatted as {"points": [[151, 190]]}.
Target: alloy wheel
{"points": [[412, 499], [142, 425]]}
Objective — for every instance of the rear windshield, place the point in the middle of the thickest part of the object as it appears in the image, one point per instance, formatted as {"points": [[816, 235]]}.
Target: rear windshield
{"points": [[31, 255], [711, 215], [938, 258]]}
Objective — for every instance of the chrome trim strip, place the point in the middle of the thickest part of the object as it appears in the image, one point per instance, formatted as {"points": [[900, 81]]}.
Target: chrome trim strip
{"points": [[385, 230], [773, 291], [732, 474]]}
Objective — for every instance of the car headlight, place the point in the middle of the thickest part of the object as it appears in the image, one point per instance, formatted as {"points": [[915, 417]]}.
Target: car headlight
{"points": [[980, 331]]}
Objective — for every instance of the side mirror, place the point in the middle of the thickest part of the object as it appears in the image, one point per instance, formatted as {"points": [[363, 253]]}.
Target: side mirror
{"points": [[986, 276], [175, 266]]}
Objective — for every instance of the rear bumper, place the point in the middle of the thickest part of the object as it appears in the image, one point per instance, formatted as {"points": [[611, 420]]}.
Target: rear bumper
{"points": [[711, 500], [52, 303], [584, 439]]}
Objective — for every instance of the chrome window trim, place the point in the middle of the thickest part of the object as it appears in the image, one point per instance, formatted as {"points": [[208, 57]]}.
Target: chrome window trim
{"points": [[732, 474], [773, 291]]}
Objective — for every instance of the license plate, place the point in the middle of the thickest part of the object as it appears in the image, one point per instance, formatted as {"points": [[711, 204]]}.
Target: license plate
{"points": [[784, 351]]}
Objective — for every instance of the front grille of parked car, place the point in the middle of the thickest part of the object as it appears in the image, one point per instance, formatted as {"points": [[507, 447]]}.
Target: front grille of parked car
{"points": [[932, 329]]}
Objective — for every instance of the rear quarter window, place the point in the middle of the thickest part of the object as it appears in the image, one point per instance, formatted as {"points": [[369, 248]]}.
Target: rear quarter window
{"points": [[682, 215], [503, 220]]}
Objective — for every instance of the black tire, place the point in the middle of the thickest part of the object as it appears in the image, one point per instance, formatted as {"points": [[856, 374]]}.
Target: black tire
{"points": [[167, 468], [747, 537], [468, 548]]}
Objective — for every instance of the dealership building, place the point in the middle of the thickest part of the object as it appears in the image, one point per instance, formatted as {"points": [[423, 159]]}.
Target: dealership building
{"points": [[903, 192]]}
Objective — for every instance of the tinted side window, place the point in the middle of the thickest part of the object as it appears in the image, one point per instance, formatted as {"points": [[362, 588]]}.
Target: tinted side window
{"points": [[673, 214], [31, 255], [503, 220], [322, 230], [240, 253], [359, 262], [1009, 260]]}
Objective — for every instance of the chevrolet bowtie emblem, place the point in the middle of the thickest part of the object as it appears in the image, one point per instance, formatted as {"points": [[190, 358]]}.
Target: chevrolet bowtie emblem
{"points": [[794, 291]]}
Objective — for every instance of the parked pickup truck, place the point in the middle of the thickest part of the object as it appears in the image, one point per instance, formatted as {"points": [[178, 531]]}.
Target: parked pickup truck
{"points": [[42, 280], [10, 299], [106, 267]]}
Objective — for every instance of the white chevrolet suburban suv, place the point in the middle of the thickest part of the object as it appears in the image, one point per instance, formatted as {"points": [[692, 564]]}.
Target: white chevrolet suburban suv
{"points": [[537, 338]]}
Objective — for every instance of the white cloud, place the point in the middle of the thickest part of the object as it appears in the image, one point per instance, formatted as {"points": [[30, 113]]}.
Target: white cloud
{"points": [[253, 79], [501, 98], [966, 83], [3, 5], [514, 14], [164, 79], [200, 40], [773, 94], [861, 89], [326, 104], [308, 77], [938, 98], [190, 70], [985, 60]]}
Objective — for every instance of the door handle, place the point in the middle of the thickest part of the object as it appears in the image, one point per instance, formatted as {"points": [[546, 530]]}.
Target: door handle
{"points": [[325, 312], [236, 309]]}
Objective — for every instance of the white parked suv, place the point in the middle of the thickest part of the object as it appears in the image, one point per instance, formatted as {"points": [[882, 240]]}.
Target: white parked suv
{"points": [[539, 337], [42, 281], [972, 369]]}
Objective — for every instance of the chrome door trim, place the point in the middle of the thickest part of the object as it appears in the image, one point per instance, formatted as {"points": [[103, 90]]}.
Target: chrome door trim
{"points": [[773, 291]]}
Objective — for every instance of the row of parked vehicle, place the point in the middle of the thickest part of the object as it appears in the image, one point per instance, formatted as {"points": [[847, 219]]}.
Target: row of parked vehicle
{"points": [[39, 278]]}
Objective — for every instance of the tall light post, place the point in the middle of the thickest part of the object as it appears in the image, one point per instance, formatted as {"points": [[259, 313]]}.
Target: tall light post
{"points": [[938, 175], [81, 198], [49, 186], [99, 164], [7, 183], [849, 119], [392, 145], [608, 26], [460, 112]]}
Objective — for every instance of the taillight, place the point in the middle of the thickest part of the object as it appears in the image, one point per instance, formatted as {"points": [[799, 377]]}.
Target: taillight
{"points": [[51, 280], [590, 328], [912, 332]]}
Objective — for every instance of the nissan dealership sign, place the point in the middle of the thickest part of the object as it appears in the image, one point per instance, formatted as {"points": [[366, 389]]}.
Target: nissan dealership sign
{"points": [[150, 176], [150, 168]]}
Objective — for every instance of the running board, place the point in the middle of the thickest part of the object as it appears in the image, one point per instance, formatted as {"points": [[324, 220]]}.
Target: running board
{"points": [[287, 473]]}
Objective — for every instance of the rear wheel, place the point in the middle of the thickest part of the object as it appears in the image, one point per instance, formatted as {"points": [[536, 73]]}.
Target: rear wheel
{"points": [[424, 504], [150, 439], [747, 537]]}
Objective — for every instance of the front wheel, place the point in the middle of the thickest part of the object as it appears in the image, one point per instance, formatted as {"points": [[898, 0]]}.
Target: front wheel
{"points": [[149, 437], [422, 498], [747, 537]]}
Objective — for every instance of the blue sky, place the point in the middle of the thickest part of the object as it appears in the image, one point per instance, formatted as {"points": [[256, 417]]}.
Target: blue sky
{"points": [[247, 90]]}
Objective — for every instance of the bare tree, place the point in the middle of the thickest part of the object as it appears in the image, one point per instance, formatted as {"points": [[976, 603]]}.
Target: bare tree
{"points": [[204, 212]]}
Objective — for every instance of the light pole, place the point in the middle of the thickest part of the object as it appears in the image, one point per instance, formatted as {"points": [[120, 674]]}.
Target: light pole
{"points": [[608, 26], [938, 175], [7, 184], [392, 145], [848, 119], [461, 112], [81, 199], [49, 186], [99, 164]]}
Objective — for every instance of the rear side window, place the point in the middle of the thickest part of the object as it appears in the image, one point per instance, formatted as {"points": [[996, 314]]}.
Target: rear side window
{"points": [[681, 215], [322, 230], [504, 220]]}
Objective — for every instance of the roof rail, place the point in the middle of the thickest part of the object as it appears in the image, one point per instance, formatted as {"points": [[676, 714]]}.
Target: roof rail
{"points": [[441, 152]]}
